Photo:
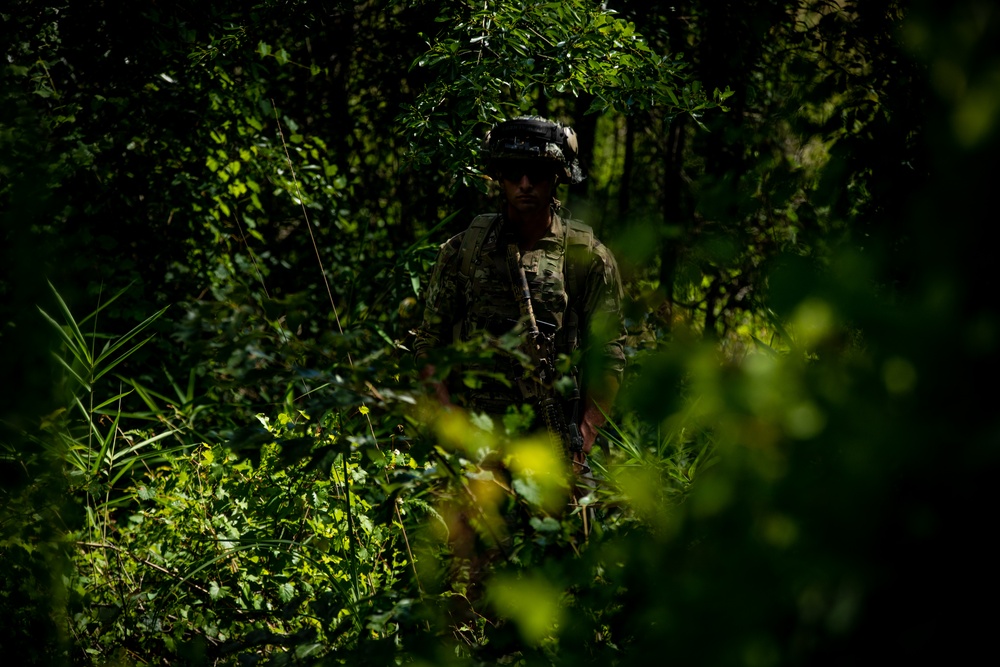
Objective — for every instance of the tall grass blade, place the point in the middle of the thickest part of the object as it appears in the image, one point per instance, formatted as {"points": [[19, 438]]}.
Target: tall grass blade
{"points": [[108, 352], [78, 336]]}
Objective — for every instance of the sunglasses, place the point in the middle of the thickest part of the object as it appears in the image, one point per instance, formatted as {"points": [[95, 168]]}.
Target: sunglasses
{"points": [[535, 173]]}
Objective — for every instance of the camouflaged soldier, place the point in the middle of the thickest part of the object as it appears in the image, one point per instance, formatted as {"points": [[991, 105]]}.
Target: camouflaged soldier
{"points": [[573, 280]]}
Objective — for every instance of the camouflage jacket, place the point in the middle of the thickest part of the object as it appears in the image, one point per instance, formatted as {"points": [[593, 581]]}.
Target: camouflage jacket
{"points": [[484, 304]]}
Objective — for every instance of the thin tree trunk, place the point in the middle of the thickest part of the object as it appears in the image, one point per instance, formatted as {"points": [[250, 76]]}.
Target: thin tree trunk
{"points": [[625, 188], [675, 210]]}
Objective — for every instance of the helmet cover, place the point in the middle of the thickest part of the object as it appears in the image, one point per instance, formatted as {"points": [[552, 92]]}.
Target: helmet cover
{"points": [[537, 139]]}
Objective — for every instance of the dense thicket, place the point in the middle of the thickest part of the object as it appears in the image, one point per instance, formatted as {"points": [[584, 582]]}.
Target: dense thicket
{"points": [[213, 450]]}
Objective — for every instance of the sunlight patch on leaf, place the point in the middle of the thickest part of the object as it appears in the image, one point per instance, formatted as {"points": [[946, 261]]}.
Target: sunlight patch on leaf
{"points": [[541, 472], [532, 603]]}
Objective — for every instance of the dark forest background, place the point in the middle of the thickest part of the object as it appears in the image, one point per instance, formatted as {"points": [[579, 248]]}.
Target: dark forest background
{"points": [[217, 222]]}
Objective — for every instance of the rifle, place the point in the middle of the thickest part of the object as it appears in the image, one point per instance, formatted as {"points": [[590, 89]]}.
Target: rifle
{"points": [[541, 384]]}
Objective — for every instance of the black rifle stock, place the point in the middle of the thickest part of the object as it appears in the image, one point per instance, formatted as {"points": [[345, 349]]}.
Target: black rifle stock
{"points": [[541, 385]]}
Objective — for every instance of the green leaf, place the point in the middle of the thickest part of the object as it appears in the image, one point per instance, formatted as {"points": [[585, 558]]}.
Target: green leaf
{"points": [[214, 591], [546, 524]]}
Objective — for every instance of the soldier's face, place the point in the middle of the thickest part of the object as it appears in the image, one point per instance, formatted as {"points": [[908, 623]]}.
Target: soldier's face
{"points": [[527, 186]]}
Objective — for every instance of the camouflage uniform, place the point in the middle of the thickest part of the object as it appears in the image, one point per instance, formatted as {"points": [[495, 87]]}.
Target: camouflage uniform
{"points": [[485, 303]]}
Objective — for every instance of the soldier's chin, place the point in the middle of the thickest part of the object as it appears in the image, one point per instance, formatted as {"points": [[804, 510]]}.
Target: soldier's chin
{"points": [[527, 203]]}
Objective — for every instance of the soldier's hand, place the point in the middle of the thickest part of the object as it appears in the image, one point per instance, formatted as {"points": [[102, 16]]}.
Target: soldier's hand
{"points": [[438, 388], [588, 432]]}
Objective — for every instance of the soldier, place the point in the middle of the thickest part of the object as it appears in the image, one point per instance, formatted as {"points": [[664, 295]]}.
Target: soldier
{"points": [[574, 283]]}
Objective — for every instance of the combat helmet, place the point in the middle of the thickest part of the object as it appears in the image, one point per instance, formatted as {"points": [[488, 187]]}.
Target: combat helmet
{"points": [[534, 138]]}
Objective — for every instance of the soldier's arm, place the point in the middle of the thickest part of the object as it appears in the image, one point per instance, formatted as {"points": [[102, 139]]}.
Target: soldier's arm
{"points": [[604, 360], [440, 312], [598, 399]]}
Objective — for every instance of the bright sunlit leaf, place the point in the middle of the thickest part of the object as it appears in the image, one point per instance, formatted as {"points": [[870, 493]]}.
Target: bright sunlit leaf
{"points": [[532, 603]]}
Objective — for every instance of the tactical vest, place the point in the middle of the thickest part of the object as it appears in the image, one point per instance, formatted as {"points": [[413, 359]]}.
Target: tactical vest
{"points": [[564, 271]]}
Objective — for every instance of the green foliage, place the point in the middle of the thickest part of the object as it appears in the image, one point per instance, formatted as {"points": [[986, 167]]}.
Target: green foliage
{"points": [[231, 558], [496, 61], [798, 467]]}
